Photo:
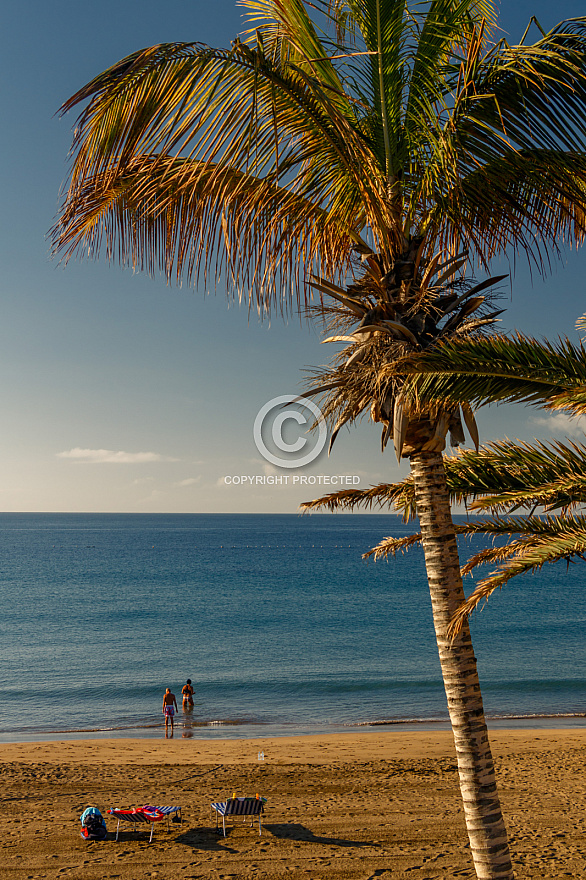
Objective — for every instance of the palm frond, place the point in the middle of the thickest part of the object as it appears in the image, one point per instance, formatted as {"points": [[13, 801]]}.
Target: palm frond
{"points": [[235, 115], [516, 106], [542, 541], [498, 369], [506, 475], [536, 198], [382, 495], [159, 214], [391, 546]]}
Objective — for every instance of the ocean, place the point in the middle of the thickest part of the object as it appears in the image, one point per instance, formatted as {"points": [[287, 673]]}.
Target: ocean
{"points": [[281, 625]]}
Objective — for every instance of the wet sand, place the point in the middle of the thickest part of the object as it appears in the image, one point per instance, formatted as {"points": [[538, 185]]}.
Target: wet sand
{"points": [[380, 804]]}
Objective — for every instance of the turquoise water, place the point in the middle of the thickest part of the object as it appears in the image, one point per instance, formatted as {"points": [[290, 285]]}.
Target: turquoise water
{"points": [[280, 624]]}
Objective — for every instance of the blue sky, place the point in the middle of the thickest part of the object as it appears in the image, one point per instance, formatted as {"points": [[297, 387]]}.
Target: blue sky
{"points": [[119, 393]]}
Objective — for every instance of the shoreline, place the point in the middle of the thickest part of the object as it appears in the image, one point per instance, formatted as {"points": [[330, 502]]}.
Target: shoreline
{"points": [[343, 806], [219, 730]]}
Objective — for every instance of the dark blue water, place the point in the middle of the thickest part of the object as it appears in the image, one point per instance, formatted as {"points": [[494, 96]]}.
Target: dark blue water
{"points": [[280, 624]]}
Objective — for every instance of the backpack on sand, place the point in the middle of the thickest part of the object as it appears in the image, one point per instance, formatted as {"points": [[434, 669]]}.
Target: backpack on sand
{"points": [[93, 826]]}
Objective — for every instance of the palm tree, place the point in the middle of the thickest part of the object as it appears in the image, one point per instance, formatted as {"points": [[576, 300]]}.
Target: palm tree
{"points": [[401, 132]]}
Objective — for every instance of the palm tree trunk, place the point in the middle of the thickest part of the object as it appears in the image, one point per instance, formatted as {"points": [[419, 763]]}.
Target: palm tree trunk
{"points": [[482, 810]]}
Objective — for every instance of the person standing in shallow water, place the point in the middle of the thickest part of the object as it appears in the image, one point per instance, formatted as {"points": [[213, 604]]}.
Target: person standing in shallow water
{"points": [[187, 691], [169, 709]]}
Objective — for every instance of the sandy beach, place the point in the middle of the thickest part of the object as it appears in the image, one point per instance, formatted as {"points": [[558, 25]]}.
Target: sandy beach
{"points": [[382, 804]]}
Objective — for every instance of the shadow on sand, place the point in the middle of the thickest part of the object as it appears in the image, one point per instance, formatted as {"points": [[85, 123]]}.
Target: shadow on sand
{"points": [[209, 839], [295, 831], [204, 839]]}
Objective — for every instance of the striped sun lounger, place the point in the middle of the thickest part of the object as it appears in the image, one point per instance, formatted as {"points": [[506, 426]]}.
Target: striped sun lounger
{"points": [[147, 814], [240, 806]]}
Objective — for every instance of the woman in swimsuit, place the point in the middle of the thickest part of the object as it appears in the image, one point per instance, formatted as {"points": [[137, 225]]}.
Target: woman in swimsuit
{"points": [[169, 708], [187, 691]]}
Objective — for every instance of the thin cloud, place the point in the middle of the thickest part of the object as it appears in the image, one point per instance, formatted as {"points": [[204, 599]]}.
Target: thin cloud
{"points": [[561, 423], [154, 496], [109, 456], [190, 481]]}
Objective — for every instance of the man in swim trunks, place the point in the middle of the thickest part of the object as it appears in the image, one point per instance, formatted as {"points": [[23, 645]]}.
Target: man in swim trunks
{"points": [[187, 691], [169, 708]]}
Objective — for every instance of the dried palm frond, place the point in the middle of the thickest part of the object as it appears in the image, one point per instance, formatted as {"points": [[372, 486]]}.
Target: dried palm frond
{"points": [[385, 320]]}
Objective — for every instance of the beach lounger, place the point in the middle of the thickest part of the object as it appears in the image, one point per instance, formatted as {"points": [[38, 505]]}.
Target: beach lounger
{"points": [[240, 806], [146, 814]]}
